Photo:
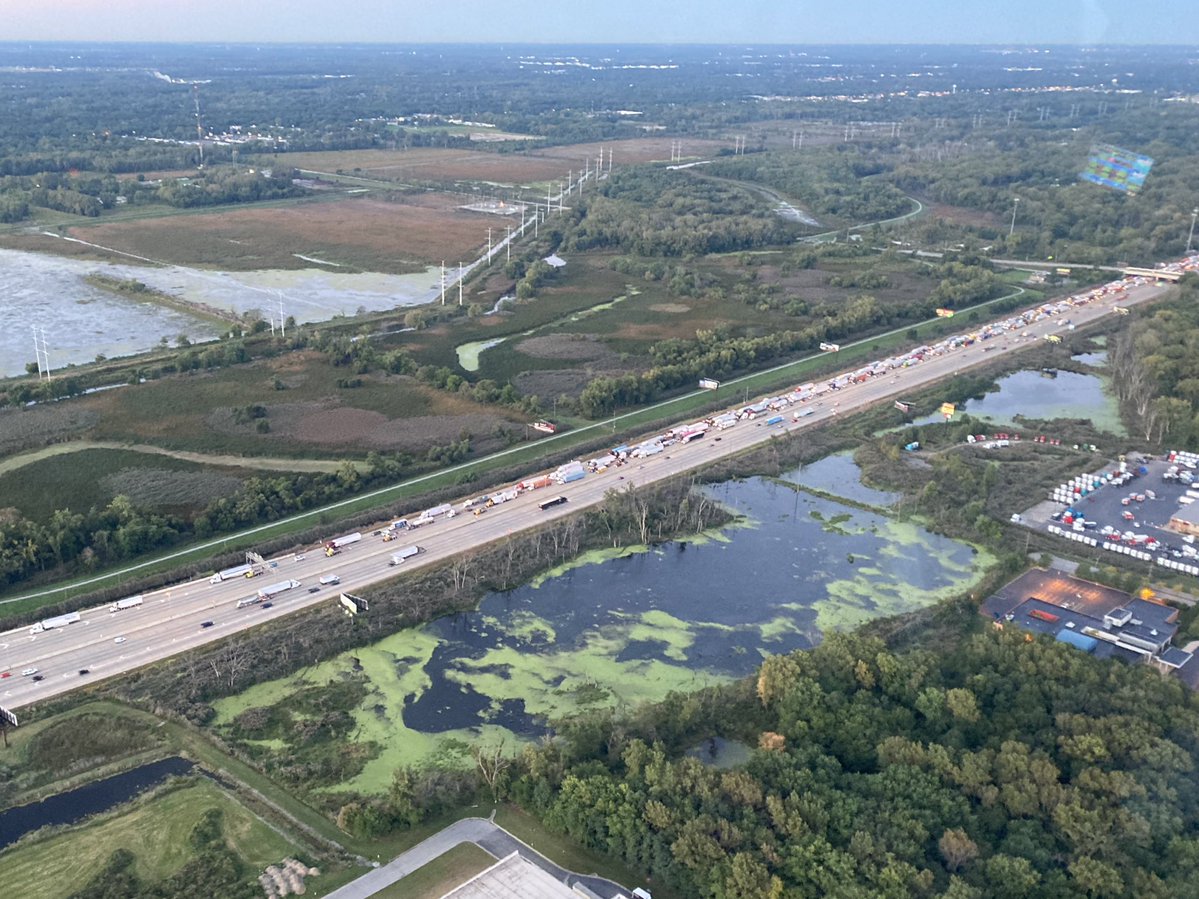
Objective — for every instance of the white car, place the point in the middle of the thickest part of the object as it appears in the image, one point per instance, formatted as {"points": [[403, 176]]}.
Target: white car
{"points": [[119, 640], [28, 671]]}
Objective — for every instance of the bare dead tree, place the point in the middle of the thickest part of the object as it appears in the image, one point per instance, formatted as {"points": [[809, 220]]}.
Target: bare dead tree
{"points": [[492, 764]]}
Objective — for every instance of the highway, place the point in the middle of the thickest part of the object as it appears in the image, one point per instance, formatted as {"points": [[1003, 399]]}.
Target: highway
{"points": [[170, 620]]}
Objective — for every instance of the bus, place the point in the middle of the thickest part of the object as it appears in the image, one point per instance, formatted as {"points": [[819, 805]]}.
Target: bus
{"points": [[552, 501]]}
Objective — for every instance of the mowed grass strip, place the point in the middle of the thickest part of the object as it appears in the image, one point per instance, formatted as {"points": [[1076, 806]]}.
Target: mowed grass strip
{"points": [[441, 875], [155, 830]]}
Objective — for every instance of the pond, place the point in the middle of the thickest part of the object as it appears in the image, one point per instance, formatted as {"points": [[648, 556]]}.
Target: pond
{"points": [[82, 321], [1098, 360], [619, 631], [1033, 395], [839, 474], [90, 799]]}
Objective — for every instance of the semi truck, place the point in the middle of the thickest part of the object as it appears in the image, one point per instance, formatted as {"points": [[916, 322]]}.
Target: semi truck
{"points": [[327, 579], [276, 589], [333, 547], [129, 602], [401, 555], [551, 502], [227, 574], [49, 624]]}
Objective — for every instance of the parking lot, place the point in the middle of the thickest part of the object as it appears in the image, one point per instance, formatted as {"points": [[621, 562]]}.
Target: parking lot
{"points": [[1127, 512]]}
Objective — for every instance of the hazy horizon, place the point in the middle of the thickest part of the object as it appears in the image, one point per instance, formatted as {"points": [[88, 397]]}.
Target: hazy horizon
{"points": [[538, 22]]}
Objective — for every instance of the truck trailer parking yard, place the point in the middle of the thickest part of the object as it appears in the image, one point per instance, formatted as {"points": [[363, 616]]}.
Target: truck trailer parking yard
{"points": [[1126, 508]]}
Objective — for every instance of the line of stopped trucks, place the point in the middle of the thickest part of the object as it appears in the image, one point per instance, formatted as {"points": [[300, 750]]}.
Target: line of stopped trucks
{"points": [[804, 399]]}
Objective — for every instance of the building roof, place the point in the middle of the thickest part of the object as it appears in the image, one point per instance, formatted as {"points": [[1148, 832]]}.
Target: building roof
{"points": [[1175, 657], [512, 878], [1187, 514], [1077, 640], [553, 259]]}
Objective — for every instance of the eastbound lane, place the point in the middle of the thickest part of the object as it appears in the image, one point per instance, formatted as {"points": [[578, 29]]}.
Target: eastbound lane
{"points": [[170, 621]]}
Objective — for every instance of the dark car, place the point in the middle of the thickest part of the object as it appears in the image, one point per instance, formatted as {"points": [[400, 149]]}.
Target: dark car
{"points": [[83, 671], [39, 677], [314, 589], [206, 623], [267, 605]]}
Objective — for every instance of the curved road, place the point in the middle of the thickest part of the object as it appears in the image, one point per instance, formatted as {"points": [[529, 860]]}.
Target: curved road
{"points": [[171, 620]]}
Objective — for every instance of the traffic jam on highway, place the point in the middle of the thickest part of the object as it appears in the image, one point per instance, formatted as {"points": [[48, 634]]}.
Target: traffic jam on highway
{"points": [[806, 400]]}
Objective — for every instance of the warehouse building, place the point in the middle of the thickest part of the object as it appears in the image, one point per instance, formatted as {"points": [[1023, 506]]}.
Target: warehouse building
{"points": [[1098, 620]]}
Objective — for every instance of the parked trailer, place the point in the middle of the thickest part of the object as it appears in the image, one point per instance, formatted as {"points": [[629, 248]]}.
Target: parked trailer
{"points": [[129, 602], [227, 574], [504, 496], [49, 624], [276, 589], [400, 555]]}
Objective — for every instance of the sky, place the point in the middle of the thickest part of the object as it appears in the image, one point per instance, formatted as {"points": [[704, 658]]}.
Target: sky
{"points": [[606, 21]]}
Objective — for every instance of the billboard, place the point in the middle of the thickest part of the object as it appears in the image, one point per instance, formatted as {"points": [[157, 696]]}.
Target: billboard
{"points": [[1119, 169], [947, 409], [7, 718]]}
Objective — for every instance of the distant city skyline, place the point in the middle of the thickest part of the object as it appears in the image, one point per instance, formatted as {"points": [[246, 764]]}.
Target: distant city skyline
{"points": [[1038, 22]]}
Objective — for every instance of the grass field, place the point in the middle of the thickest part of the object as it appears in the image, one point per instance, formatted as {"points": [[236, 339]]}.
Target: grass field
{"points": [[92, 477], [311, 417], [441, 875], [155, 831], [351, 234]]}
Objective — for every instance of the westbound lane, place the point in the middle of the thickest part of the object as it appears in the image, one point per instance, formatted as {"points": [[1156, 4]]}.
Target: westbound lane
{"points": [[170, 620]]}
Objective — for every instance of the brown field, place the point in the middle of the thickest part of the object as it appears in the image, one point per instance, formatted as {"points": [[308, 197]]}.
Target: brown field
{"points": [[960, 215], [430, 164], [360, 234]]}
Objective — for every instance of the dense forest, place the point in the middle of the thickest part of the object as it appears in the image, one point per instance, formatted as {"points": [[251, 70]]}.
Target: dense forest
{"points": [[1003, 767], [1155, 368]]}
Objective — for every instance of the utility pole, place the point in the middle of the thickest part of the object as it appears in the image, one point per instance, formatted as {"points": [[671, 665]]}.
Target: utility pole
{"points": [[1190, 237], [1015, 206], [460, 280], [508, 245], [443, 282], [488, 244]]}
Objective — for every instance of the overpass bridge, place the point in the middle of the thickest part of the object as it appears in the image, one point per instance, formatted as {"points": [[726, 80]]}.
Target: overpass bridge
{"points": [[1129, 271]]}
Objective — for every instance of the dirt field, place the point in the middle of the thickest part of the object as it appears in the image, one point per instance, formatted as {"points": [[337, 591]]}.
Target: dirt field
{"points": [[358, 234]]}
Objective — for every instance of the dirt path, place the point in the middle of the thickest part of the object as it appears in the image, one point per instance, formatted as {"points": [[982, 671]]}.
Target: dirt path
{"points": [[75, 446]]}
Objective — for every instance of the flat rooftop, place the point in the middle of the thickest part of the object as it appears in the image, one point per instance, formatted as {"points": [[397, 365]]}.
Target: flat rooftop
{"points": [[1058, 589], [512, 878]]}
